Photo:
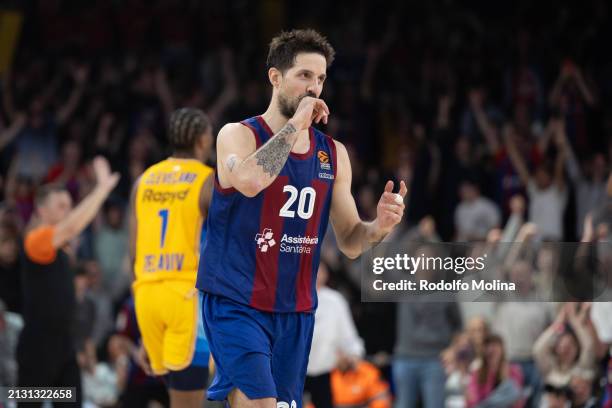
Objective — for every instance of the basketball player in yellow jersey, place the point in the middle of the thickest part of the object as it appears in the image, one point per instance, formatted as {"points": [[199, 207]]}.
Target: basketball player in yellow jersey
{"points": [[168, 206]]}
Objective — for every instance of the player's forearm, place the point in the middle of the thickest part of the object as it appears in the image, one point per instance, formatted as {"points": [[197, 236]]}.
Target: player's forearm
{"points": [[261, 168], [78, 219], [362, 236]]}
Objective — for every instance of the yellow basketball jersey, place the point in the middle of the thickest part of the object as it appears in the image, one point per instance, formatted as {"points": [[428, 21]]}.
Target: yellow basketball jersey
{"points": [[169, 220]]}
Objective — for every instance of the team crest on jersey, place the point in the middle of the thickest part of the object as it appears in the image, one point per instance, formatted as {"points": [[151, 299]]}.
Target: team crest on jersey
{"points": [[265, 240], [295, 244], [324, 160]]}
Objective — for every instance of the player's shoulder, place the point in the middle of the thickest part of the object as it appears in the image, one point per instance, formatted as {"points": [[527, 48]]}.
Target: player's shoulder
{"points": [[341, 152], [338, 144], [237, 138], [236, 133], [234, 128]]}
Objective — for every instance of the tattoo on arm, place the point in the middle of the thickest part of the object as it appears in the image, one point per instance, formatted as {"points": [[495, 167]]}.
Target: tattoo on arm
{"points": [[231, 162], [273, 155]]}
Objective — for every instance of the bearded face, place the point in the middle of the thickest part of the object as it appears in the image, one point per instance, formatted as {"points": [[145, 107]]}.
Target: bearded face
{"points": [[288, 105], [304, 78]]}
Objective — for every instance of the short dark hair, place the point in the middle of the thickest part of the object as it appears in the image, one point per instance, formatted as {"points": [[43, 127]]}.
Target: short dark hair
{"points": [[44, 191], [288, 44], [186, 125]]}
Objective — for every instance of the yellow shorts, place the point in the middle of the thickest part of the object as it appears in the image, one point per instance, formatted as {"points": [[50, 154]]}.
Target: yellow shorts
{"points": [[167, 314]]}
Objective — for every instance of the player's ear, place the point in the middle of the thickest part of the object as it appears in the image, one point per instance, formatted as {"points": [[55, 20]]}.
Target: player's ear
{"points": [[275, 77]]}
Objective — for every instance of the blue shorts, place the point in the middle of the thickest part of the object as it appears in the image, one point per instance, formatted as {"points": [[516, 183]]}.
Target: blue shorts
{"points": [[263, 354]]}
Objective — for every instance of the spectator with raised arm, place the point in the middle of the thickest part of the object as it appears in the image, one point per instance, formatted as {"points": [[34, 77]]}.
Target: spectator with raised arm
{"points": [[458, 161], [546, 189], [571, 81], [229, 93], [565, 345], [507, 183], [589, 184], [480, 109], [573, 96], [8, 134], [36, 145], [523, 83]]}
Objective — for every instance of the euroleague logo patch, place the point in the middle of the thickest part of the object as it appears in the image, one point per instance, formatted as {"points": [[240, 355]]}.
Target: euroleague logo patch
{"points": [[324, 160], [323, 157]]}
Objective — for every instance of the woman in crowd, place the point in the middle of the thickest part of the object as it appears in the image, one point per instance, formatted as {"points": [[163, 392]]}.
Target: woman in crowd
{"points": [[495, 383], [565, 345]]}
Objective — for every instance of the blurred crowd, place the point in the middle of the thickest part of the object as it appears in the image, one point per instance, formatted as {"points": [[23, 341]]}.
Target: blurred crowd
{"points": [[498, 116]]}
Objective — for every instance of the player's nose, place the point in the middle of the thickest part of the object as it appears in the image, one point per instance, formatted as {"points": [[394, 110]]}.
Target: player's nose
{"points": [[314, 88]]}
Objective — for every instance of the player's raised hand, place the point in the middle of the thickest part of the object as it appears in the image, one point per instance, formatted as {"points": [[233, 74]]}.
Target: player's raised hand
{"points": [[309, 110], [104, 177], [390, 208]]}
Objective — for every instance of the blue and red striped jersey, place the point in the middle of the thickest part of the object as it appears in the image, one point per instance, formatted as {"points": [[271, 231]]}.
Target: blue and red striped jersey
{"points": [[264, 251]]}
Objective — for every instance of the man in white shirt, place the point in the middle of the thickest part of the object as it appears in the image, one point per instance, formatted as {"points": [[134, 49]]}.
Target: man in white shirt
{"points": [[546, 187], [475, 215], [546, 207], [335, 341]]}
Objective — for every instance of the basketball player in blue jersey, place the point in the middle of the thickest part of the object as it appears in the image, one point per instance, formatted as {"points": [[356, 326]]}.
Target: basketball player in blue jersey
{"points": [[278, 183]]}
